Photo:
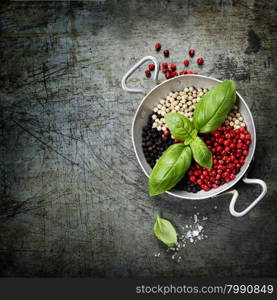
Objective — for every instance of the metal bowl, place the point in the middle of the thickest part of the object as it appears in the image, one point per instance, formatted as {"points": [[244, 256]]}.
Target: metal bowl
{"points": [[176, 84]]}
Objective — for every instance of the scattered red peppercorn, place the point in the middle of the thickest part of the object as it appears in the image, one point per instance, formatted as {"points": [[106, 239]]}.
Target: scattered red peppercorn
{"points": [[174, 74], [200, 61], [147, 73], [158, 47], [186, 62], [151, 67], [166, 53], [191, 53], [165, 65], [173, 67]]}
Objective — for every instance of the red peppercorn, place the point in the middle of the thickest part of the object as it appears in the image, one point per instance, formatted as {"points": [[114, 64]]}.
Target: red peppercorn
{"points": [[212, 173], [151, 67], [245, 152], [239, 151], [220, 140], [158, 47], [147, 73], [173, 67], [174, 74], [232, 146], [227, 149], [199, 181], [186, 62], [241, 161], [164, 70], [165, 65], [239, 145], [227, 135], [166, 133], [232, 176], [205, 173], [227, 179], [200, 61], [191, 53], [206, 188], [244, 147], [166, 53], [192, 178], [177, 141], [216, 134]]}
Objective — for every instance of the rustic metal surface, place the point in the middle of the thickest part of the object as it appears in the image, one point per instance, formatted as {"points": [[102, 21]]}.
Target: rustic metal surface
{"points": [[73, 198]]}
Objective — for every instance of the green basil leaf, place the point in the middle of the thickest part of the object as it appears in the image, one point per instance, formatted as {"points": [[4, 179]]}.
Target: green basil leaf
{"points": [[201, 153], [214, 106], [165, 231], [169, 169], [180, 126]]}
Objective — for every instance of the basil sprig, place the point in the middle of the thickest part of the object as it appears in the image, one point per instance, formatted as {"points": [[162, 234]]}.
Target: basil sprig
{"points": [[209, 114], [165, 231], [169, 169], [214, 106]]}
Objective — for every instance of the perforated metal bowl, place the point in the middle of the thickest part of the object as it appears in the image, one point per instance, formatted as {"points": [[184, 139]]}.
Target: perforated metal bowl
{"points": [[176, 84]]}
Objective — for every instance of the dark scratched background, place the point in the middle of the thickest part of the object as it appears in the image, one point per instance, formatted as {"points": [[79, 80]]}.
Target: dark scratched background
{"points": [[73, 199]]}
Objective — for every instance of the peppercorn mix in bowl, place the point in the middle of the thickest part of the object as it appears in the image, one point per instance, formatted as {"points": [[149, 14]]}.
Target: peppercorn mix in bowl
{"points": [[232, 144]]}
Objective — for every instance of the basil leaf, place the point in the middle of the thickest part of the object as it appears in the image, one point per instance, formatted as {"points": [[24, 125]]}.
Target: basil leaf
{"points": [[180, 126], [214, 106], [201, 153], [165, 231], [169, 169]]}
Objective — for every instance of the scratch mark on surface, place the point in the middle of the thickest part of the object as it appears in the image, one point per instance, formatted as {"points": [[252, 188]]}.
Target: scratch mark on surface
{"points": [[45, 144]]}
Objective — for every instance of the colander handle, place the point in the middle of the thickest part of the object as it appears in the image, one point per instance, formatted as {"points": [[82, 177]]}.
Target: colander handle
{"points": [[254, 203], [134, 68]]}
